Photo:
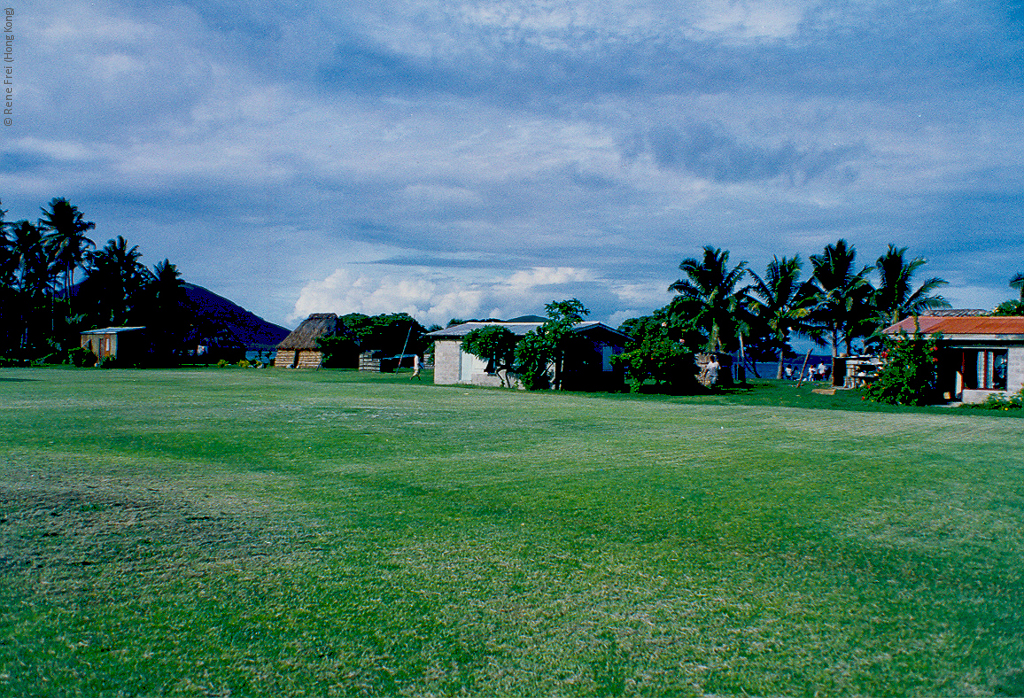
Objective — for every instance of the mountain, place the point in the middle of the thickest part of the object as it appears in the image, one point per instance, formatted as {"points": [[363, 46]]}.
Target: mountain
{"points": [[250, 330]]}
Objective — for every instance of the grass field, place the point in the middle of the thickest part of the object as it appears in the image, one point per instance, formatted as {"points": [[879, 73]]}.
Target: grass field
{"points": [[275, 533]]}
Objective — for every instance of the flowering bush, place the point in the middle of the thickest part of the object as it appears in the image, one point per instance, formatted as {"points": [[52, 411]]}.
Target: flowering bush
{"points": [[909, 374]]}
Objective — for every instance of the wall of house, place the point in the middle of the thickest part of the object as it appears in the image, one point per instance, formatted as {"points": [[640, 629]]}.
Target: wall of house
{"points": [[447, 360], [1014, 378], [309, 358], [1015, 369], [102, 345]]}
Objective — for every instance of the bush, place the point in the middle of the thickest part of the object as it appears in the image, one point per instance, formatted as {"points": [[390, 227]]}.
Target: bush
{"points": [[223, 363], [1000, 402], [657, 358], [909, 374], [243, 363], [81, 357]]}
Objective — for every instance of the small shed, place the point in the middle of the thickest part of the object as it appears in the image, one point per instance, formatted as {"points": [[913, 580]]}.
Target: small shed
{"points": [[299, 349], [120, 343]]}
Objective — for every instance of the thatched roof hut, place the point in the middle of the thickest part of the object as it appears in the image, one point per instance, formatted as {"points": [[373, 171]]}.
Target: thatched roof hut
{"points": [[298, 349]]}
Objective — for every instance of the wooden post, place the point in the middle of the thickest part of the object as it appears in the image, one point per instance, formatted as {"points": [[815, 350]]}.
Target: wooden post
{"points": [[743, 363], [800, 379]]}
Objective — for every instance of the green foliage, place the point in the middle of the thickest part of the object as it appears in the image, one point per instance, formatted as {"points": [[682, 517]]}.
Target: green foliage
{"points": [[223, 363], [387, 333], [843, 303], [709, 299], [909, 374], [1011, 307], [540, 355], [339, 350], [532, 363], [81, 357], [659, 359], [497, 346]]}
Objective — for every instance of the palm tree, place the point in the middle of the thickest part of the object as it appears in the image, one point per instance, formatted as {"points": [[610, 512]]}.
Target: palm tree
{"points": [[165, 314], [66, 240], [894, 298], [1017, 282], [708, 297], [783, 304], [32, 275], [115, 280], [843, 293]]}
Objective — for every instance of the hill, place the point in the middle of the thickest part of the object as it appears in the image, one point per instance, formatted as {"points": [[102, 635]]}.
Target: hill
{"points": [[249, 329]]}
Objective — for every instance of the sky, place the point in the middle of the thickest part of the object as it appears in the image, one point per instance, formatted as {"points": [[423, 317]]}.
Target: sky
{"points": [[480, 158]]}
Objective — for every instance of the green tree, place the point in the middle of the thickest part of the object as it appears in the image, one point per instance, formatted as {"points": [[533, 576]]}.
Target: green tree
{"points": [[783, 303], [843, 294], [1013, 307], [497, 346], [709, 298], [909, 374], [895, 297], [9, 317], [340, 350], [656, 354], [115, 282], [1017, 282], [33, 283], [68, 246], [166, 318], [541, 354]]}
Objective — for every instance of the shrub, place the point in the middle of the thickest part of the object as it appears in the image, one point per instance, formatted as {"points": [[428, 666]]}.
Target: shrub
{"points": [[998, 401], [223, 363], [243, 363], [659, 359], [81, 357], [909, 374]]}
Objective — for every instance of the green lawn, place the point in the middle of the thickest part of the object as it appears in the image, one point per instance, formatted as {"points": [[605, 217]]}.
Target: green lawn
{"points": [[238, 532]]}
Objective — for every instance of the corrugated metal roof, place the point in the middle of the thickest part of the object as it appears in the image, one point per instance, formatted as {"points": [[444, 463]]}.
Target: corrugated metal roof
{"points": [[519, 329], [112, 330], [987, 325]]}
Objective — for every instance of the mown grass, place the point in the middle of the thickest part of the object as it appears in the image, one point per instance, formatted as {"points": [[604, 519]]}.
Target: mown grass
{"points": [[229, 532]]}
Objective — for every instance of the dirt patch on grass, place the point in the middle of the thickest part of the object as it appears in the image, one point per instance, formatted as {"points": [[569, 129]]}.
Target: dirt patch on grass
{"points": [[66, 529]]}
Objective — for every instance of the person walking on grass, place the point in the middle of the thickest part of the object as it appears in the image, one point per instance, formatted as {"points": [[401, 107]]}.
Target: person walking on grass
{"points": [[416, 367]]}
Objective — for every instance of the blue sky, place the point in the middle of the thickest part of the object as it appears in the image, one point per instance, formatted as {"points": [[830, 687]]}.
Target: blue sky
{"points": [[471, 158]]}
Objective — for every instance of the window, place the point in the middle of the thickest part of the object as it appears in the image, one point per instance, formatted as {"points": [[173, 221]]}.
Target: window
{"points": [[984, 369]]}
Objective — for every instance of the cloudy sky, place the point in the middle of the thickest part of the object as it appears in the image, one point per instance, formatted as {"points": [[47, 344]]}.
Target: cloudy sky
{"points": [[483, 157]]}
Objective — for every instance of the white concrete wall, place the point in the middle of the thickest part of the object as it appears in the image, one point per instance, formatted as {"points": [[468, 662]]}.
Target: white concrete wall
{"points": [[1015, 370], [447, 360]]}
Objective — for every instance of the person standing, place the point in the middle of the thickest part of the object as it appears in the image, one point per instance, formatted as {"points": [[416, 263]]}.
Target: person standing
{"points": [[416, 367], [712, 371]]}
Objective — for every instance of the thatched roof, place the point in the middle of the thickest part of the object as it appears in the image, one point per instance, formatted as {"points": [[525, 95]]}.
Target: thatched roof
{"points": [[305, 335]]}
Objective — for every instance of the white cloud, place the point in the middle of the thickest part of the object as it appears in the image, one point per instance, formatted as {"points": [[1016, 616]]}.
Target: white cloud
{"points": [[432, 298]]}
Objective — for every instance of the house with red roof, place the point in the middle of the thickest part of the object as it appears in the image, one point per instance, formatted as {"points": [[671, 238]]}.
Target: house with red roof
{"points": [[978, 355]]}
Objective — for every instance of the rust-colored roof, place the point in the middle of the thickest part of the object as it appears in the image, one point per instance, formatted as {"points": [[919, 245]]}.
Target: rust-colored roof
{"points": [[988, 325]]}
